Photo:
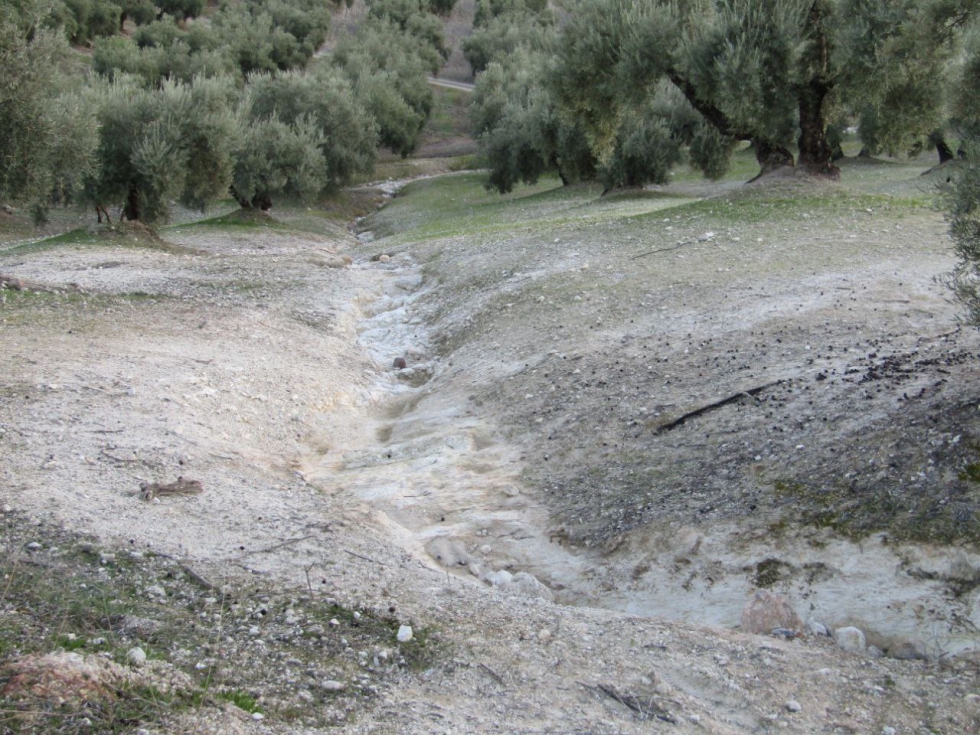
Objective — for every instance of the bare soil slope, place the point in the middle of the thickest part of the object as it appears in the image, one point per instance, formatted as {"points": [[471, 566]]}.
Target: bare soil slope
{"points": [[521, 460]]}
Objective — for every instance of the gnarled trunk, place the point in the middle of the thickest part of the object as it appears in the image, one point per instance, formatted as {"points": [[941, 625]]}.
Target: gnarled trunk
{"points": [[944, 151], [816, 153], [132, 209], [771, 156], [260, 201]]}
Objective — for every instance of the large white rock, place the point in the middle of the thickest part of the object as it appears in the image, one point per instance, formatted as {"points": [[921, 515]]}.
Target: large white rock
{"points": [[850, 639]]}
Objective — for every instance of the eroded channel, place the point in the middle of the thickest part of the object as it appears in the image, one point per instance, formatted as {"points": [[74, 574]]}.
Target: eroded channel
{"points": [[435, 469]]}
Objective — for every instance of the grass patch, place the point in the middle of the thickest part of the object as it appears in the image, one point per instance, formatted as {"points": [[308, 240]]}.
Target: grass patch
{"points": [[857, 512], [971, 473], [63, 593], [242, 700], [240, 218], [126, 235]]}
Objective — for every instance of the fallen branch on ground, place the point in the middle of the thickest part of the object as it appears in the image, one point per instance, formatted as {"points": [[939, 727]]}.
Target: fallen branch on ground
{"points": [[276, 547], [712, 406], [650, 709]]}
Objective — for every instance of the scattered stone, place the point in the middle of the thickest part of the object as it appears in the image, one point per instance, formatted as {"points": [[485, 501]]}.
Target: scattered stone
{"points": [[8, 509], [544, 635], [181, 486], [785, 633], [522, 584], [332, 685], [258, 716], [332, 261], [34, 546], [137, 626], [888, 730], [793, 706], [365, 237], [768, 611], [156, 590], [136, 656], [816, 628], [14, 284], [384, 258], [908, 650], [850, 639], [449, 552], [404, 633]]}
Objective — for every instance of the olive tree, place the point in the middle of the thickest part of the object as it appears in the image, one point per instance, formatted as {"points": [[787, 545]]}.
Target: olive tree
{"points": [[775, 73], [518, 126], [961, 195], [48, 139], [162, 144], [348, 135], [388, 69]]}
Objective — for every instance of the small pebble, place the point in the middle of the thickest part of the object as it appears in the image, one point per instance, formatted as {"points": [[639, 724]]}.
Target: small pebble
{"points": [[136, 656], [888, 730], [332, 685], [793, 706], [258, 716], [404, 633], [34, 546]]}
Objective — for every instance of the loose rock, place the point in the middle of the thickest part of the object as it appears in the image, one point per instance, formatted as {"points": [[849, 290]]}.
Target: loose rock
{"points": [[850, 639], [136, 656], [768, 611]]}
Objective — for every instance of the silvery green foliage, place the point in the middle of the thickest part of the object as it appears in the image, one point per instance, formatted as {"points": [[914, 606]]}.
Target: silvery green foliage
{"points": [[388, 69], [48, 139], [348, 135], [503, 34], [414, 17], [277, 158], [771, 72], [962, 200], [961, 194], [644, 153], [520, 132], [161, 144]]}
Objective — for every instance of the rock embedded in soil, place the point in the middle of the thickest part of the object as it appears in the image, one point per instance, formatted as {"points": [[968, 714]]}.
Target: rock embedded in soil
{"points": [[768, 611], [850, 639], [136, 656]]}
